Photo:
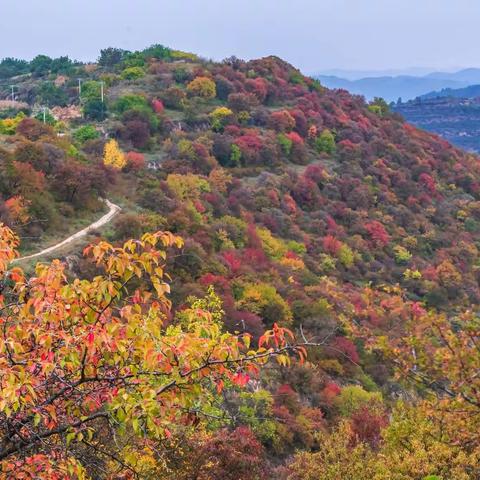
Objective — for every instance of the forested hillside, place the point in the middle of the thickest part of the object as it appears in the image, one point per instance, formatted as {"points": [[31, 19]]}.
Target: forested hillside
{"points": [[291, 208]]}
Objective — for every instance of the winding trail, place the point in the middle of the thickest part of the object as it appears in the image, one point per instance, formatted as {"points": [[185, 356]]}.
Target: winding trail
{"points": [[113, 211]]}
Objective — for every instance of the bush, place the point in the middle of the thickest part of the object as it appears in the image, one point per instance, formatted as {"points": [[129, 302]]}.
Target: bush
{"points": [[94, 109], [285, 144], [402, 255], [202, 87], [264, 300], [353, 397], [131, 102], [85, 133], [325, 142], [133, 73]]}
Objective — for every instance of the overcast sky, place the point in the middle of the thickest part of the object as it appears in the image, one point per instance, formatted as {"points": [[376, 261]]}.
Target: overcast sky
{"points": [[314, 35]]}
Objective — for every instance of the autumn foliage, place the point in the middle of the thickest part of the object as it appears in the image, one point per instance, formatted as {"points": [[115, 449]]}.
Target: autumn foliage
{"points": [[78, 357], [299, 208]]}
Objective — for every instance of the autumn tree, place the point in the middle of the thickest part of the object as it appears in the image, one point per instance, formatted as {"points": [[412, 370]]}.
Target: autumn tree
{"points": [[113, 156], [325, 142], [82, 358], [202, 87], [440, 355]]}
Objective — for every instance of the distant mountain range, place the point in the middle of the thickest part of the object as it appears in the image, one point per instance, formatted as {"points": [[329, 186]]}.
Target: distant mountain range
{"points": [[390, 72], [473, 91], [406, 87]]}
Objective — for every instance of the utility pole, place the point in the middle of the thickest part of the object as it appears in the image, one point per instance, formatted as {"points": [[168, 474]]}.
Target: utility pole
{"points": [[102, 94], [44, 114], [13, 92], [79, 88]]}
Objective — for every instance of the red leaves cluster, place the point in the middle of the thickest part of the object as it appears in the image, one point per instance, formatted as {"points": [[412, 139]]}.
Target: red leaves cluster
{"points": [[331, 245], [367, 426], [136, 161], [377, 233], [346, 349], [157, 106], [282, 121]]}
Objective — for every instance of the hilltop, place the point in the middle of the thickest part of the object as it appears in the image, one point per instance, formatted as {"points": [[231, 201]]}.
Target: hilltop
{"points": [[300, 205]]}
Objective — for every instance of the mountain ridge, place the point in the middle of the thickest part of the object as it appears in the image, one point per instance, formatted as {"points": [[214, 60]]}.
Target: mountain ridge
{"points": [[406, 87]]}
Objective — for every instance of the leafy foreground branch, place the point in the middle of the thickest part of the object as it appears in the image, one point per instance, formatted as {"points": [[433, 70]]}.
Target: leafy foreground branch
{"points": [[103, 358]]}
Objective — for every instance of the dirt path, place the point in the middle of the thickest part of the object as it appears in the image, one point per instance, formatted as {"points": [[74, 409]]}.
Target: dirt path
{"points": [[113, 210]]}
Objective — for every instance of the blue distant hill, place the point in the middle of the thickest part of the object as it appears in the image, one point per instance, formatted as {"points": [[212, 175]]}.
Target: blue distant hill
{"points": [[473, 91], [406, 87]]}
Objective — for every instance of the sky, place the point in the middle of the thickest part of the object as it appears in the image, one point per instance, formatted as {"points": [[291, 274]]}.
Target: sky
{"points": [[314, 35]]}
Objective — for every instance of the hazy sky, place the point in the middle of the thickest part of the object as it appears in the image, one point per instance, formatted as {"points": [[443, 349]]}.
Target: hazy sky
{"points": [[312, 34]]}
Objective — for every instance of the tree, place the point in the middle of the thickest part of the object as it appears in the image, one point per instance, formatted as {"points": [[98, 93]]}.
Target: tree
{"points": [[33, 129], [264, 300], [18, 209], [336, 459], [113, 156], [138, 132], [157, 106], [412, 448], [46, 117], [80, 357], [379, 106], [109, 57], [325, 142], [131, 102], [40, 65], [86, 133], [173, 97], [94, 109], [11, 67], [242, 102], [224, 455], [282, 121], [62, 66], [78, 183], [202, 87], [157, 51], [441, 355], [220, 117], [377, 233], [136, 161], [224, 87]]}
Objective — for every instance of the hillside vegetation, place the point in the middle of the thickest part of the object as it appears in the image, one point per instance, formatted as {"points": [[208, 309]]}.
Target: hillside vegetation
{"points": [[292, 208]]}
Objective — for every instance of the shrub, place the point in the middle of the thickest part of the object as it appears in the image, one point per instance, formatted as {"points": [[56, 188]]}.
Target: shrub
{"points": [[220, 117], [202, 87], [264, 300], [325, 142], [285, 144], [85, 133], [353, 397], [131, 102], [135, 161], [346, 256], [402, 255], [133, 73]]}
